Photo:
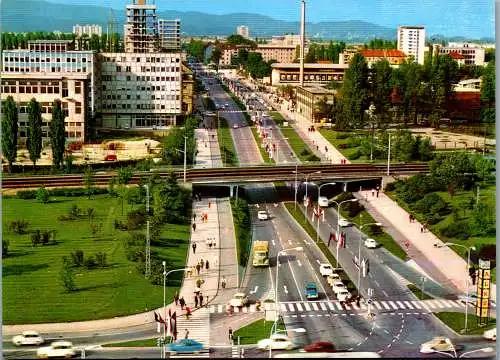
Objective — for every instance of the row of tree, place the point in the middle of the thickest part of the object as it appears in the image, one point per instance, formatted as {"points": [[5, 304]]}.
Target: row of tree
{"points": [[10, 127], [253, 63], [318, 52]]}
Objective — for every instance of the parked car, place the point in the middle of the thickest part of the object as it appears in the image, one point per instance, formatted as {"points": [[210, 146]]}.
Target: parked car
{"points": [[344, 223], [185, 346], [343, 295], [262, 215], [320, 346], [110, 157], [277, 342], [338, 286], [56, 349], [370, 243], [490, 334], [311, 291], [239, 299], [439, 343], [28, 338], [332, 278], [325, 269]]}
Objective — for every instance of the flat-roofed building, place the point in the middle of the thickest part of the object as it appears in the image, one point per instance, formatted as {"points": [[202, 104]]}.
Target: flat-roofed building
{"points": [[411, 41], [469, 85], [169, 33], [280, 53], [89, 30], [242, 30], [49, 70], [141, 27], [288, 74], [346, 55], [187, 90], [307, 98], [470, 55], [395, 57]]}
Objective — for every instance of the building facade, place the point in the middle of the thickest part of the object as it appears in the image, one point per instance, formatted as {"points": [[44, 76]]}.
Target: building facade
{"points": [[89, 30], [280, 53], [187, 90], [141, 27], [47, 71], [395, 57], [307, 98], [411, 41], [288, 74], [243, 31], [346, 55], [471, 55], [169, 32]]}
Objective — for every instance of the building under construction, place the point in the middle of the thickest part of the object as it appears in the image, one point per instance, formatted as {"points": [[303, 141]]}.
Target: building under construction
{"points": [[141, 28]]}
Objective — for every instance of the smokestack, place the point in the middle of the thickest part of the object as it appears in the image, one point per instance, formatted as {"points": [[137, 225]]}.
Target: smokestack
{"points": [[302, 40]]}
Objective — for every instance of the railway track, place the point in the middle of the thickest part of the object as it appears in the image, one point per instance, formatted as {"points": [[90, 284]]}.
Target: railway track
{"points": [[248, 173]]}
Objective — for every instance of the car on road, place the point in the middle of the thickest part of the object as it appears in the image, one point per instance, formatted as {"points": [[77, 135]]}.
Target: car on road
{"points": [[320, 346], [311, 291], [239, 299], [226, 105], [58, 349], [325, 269], [338, 286], [185, 346], [276, 342], [262, 215], [343, 295], [439, 343], [28, 338], [490, 334], [235, 126], [370, 243], [332, 278], [323, 201], [344, 223]]}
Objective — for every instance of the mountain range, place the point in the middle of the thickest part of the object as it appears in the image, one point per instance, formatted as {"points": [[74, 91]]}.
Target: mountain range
{"points": [[48, 16]]}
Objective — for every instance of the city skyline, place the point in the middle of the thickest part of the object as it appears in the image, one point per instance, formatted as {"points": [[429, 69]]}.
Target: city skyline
{"points": [[439, 17]]}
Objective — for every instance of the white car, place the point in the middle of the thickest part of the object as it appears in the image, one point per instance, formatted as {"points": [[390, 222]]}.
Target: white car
{"points": [[262, 215], [439, 343], [323, 201], [343, 295], [325, 269], [338, 286], [239, 299], [235, 126], [370, 243], [276, 342], [56, 349], [28, 338], [490, 334], [344, 223], [332, 278]]}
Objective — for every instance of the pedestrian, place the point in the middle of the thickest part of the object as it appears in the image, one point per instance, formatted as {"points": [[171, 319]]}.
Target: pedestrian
{"points": [[317, 147], [422, 229], [188, 312], [186, 335], [209, 243], [202, 263], [201, 299], [378, 189], [230, 331], [176, 299], [182, 302], [175, 334], [410, 217], [209, 204], [194, 247], [194, 226], [196, 301], [373, 192], [198, 267], [326, 148], [206, 264], [194, 216]]}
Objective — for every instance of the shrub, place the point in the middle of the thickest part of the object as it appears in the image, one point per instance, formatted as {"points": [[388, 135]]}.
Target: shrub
{"points": [[353, 208], [135, 219], [77, 258], [95, 228], [18, 226], [36, 238], [90, 263], [344, 196], [42, 195], [391, 186], [5, 248], [341, 135], [74, 211], [26, 194], [67, 275], [459, 230], [45, 236], [312, 157], [374, 230], [101, 260], [432, 204], [355, 155], [305, 152]]}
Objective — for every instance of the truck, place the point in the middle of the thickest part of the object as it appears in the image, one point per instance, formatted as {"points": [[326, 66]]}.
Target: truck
{"points": [[260, 253]]}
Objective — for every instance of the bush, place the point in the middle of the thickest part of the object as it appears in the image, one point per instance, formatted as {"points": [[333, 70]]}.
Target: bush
{"points": [[344, 196], [459, 230], [36, 238], [26, 194], [373, 230], [45, 237], [101, 260], [391, 186], [341, 135], [18, 226], [42, 195], [353, 208], [136, 219], [432, 204], [74, 211], [312, 157], [305, 152], [77, 258], [355, 155], [90, 263], [5, 248]]}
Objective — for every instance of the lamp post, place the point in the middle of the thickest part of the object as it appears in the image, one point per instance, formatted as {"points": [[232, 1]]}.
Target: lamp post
{"points": [[389, 157], [359, 253], [185, 156], [165, 274], [319, 195], [468, 248], [298, 248], [307, 176], [338, 224]]}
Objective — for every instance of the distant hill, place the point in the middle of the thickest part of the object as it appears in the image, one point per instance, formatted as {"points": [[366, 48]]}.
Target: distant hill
{"points": [[48, 16]]}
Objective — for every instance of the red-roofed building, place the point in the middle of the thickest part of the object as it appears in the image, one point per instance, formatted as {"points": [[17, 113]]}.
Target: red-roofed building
{"points": [[395, 57], [455, 55]]}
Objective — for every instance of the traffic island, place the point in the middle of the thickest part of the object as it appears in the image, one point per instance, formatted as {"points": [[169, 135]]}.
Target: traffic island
{"points": [[456, 320], [419, 293], [256, 331]]}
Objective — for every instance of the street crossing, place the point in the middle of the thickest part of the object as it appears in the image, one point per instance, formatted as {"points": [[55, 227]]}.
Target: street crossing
{"points": [[337, 306], [198, 326]]}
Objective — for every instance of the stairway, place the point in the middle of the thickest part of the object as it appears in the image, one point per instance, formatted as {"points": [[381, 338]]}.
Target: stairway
{"points": [[198, 326]]}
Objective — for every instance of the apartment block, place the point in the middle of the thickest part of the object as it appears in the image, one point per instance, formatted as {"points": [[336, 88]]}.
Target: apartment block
{"points": [[139, 90], [395, 57], [169, 32], [411, 40], [89, 30], [50, 70], [280, 53], [243, 31], [314, 74], [346, 55], [141, 27], [469, 54]]}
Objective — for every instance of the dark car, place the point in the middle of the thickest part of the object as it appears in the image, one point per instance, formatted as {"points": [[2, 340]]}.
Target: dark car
{"points": [[320, 346]]}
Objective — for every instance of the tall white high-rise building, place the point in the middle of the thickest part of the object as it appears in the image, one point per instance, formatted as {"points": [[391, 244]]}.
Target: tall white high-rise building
{"points": [[243, 31], [411, 40], [169, 32]]}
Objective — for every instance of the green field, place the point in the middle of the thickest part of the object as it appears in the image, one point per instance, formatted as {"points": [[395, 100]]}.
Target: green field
{"points": [[226, 144], [32, 290], [137, 343], [456, 321], [256, 331], [297, 144], [258, 140], [333, 138]]}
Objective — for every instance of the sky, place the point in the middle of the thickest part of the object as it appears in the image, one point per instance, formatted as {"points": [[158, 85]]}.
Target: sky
{"points": [[473, 18]]}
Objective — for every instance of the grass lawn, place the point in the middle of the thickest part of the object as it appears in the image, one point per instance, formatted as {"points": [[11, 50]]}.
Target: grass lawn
{"points": [[137, 343], [256, 331], [297, 144], [263, 152], [418, 293], [456, 321], [226, 144], [32, 290], [334, 137], [277, 117]]}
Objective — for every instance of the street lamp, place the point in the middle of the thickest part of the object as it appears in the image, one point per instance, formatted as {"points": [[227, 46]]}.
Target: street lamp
{"points": [[298, 248], [338, 223], [455, 356], [319, 195], [468, 248], [185, 154], [307, 176], [359, 253], [165, 274]]}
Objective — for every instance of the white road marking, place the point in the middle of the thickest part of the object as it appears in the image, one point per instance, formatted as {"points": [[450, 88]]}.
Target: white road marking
{"points": [[290, 306], [330, 305], [220, 308], [245, 309], [299, 263], [430, 304], [377, 305], [408, 342], [347, 307], [385, 293], [394, 306], [400, 304], [354, 306], [322, 306], [416, 304], [283, 307], [315, 306], [376, 282], [290, 242], [339, 307], [407, 303], [319, 263], [212, 309], [254, 290], [299, 307], [307, 306], [285, 289], [385, 305], [387, 332], [274, 243]]}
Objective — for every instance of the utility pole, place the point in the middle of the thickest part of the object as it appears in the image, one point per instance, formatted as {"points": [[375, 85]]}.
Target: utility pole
{"points": [[302, 40]]}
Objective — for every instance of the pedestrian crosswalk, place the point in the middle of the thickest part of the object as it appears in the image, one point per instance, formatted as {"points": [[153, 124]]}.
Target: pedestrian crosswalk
{"points": [[337, 306], [198, 326]]}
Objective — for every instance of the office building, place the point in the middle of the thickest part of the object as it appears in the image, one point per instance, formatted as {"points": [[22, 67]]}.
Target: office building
{"points": [[50, 70], [463, 53], [411, 41], [169, 33], [288, 74], [89, 30], [280, 53], [395, 57], [141, 27], [288, 40], [243, 31], [308, 97]]}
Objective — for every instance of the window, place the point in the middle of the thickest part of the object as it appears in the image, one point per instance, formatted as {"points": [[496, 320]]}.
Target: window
{"points": [[78, 87], [78, 108], [64, 89]]}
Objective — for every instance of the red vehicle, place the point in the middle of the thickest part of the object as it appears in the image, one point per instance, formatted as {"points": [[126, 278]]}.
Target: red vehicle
{"points": [[110, 157], [320, 346]]}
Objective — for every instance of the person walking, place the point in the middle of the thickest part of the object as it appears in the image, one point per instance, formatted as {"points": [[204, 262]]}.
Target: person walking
{"points": [[194, 247], [176, 299], [182, 302], [378, 189], [194, 216], [206, 264], [198, 267], [186, 334], [230, 332], [202, 263], [201, 299], [194, 226], [373, 192], [223, 282], [196, 301]]}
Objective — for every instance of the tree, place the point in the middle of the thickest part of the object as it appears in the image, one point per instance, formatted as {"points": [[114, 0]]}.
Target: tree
{"points": [[57, 134], [5, 248], [34, 139], [9, 130], [67, 275], [216, 55], [322, 109], [88, 181], [42, 195], [124, 177], [381, 90], [354, 92], [488, 94]]}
